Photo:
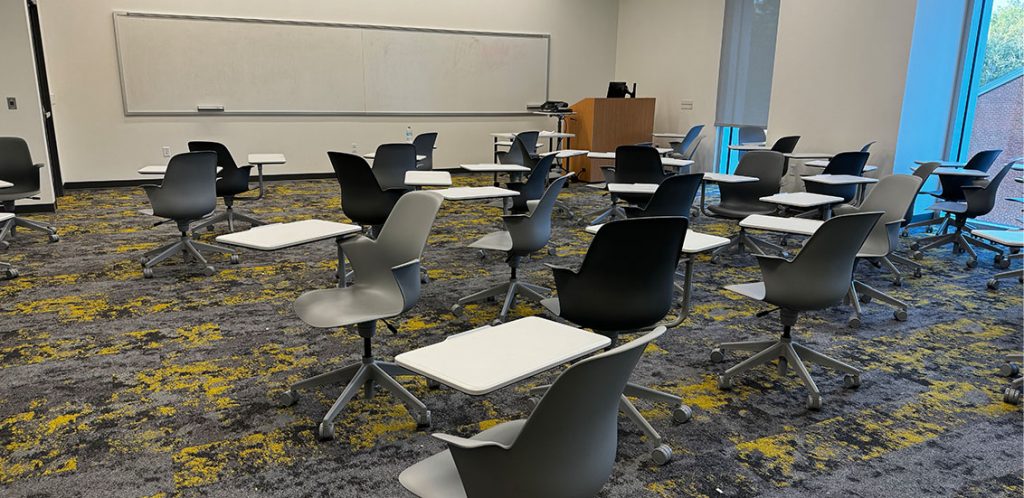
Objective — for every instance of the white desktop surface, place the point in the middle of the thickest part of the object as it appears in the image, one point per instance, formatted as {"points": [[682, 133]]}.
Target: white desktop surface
{"points": [[419, 157], [281, 235], [428, 178], [839, 179], [798, 226], [726, 178], [945, 171], [564, 153], [676, 163], [473, 193], [632, 188], [261, 159], [802, 199], [1009, 238], [749, 147], [6, 216], [159, 169], [944, 164], [486, 359], [495, 168], [669, 135], [693, 243]]}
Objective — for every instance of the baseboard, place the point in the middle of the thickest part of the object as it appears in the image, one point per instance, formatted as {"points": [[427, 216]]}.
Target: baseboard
{"points": [[150, 181]]}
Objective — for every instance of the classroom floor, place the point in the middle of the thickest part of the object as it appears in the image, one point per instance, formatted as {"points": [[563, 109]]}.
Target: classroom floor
{"points": [[113, 385]]}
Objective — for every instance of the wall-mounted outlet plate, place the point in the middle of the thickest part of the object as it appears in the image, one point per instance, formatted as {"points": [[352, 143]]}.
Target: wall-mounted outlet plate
{"points": [[686, 105], [166, 150], [12, 103]]}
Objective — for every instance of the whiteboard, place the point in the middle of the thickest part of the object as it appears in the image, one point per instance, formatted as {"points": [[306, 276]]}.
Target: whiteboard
{"points": [[176, 64]]}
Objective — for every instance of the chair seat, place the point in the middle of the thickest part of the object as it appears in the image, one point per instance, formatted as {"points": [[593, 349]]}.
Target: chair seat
{"points": [[17, 193], [495, 241], [949, 207], [738, 212], [754, 290], [438, 477], [329, 308]]}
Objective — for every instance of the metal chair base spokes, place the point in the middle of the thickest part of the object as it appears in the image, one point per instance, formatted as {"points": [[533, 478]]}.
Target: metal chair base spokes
{"points": [[790, 355], [8, 229], [510, 290], [744, 242], [229, 215], [190, 249], [864, 293]]}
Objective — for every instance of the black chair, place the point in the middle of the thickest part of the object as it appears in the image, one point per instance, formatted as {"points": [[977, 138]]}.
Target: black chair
{"points": [[187, 193], [523, 150], [363, 199], [391, 162], [532, 189], [16, 167], [232, 180], [980, 198], [674, 197], [819, 277], [739, 200], [843, 163], [625, 283], [424, 143], [752, 135], [868, 145], [786, 145], [636, 164], [951, 188]]}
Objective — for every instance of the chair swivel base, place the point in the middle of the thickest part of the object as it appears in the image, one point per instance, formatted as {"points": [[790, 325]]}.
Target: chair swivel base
{"points": [[607, 214], [790, 355], [961, 243], [7, 231], [364, 375], [510, 290], [741, 241], [863, 293], [229, 215], [661, 453], [189, 248]]}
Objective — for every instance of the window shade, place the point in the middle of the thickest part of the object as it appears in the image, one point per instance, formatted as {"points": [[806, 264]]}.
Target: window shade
{"points": [[747, 60]]}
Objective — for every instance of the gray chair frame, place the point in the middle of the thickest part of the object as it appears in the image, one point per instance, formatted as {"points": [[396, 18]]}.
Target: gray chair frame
{"points": [[387, 285], [16, 167]]}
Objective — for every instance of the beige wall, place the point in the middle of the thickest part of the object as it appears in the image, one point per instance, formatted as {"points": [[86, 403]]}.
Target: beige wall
{"points": [[671, 49], [840, 73], [18, 80], [97, 142]]}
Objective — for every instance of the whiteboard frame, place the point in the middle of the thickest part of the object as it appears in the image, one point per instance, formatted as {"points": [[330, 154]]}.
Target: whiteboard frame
{"points": [[383, 27]]}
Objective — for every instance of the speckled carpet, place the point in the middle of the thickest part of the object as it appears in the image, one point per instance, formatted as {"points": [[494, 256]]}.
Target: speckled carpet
{"points": [[113, 385]]}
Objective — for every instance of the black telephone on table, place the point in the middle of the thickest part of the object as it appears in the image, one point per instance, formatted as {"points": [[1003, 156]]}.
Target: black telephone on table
{"points": [[554, 106]]}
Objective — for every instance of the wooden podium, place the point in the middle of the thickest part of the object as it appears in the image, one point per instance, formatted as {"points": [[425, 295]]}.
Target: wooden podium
{"points": [[601, 125]]}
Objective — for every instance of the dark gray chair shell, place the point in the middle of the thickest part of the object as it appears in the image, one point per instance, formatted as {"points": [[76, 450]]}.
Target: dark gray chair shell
{"points": [[16, 167], [674, 197], [424, 143], [843, 163], [391, 162], [363, 200], [232, 180]]}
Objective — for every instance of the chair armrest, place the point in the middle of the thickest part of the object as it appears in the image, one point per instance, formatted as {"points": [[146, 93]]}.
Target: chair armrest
{"points": [[38, 165], [469, 444], [407, 275]]}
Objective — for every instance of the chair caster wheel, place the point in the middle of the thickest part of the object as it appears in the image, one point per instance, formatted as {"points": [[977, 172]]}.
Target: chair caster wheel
{"points": [[1009, 370], [4, 244], [717, 355], [682, 414], [143, 260], [917, 272], [326, 431], [900, 315], [424, 278], [972, 264], [918, 255], [147, 272], [915, 246], [209, 270], [552, 251], [210, 228], [457, 310], [851, 381], [661, 455], [876, 263], [422, 419], [716, 260], [287, 398], [864, 298], [813, 401], [782, 367], [433, 384], [724, 383], [11, 273], [992, 284], [853, 322], [235, 259], [1012, 396], [898, 282], [532, 402], [482, 255], [1002, 264], [54, 238]]}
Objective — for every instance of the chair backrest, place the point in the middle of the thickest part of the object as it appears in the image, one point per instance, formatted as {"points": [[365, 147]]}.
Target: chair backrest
{"points": [[752, 135], [529, 140], [820, 275], [224, 159], [533, 188], [983, 160], [981, 201], [391, 162], [522, 150], [767, 166], [16, 164], [189, 187], [424, 143], [892, 196], [626, 280], [362, 198], [567, 446], [674, 197], [843, 163], [532, 232], [638, 164], [952, 186], [786, 145], [683, 149], [923, 172], [868, 145]]}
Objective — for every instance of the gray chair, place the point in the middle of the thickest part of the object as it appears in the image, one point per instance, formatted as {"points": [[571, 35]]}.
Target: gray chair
{"points": [[231, 181], [674, 197], [16, 167], [739, 200], [424, 143], [565, 449], [391, 162], [890, 196], [523, 150], [387, 285], [980, 198], [817, 278], [686, 148], [524, 234], [923, 172], [752, 135], [187, 194]]}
